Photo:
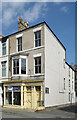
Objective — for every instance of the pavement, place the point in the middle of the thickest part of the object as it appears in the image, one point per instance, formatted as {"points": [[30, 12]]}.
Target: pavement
{"points": [[52, 112]]}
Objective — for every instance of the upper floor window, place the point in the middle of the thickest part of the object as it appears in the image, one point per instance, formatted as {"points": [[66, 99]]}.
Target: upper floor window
{"points": [[20, 44], [4, 48], [23, 66], [69, 71], [4, 69], [69, 82], [37, 65], [37, 38], [16, 66], [64, 83], [19, 66]]}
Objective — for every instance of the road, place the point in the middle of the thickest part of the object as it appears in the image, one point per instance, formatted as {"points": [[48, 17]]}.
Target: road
{"points": [[63, 112]]}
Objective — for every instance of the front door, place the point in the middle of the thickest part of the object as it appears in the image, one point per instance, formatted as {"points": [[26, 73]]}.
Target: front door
{"points": [[29, 99]]}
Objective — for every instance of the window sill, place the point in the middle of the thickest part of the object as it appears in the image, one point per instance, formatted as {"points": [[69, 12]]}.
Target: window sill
{"points": [[19, 75], [37, 75]]}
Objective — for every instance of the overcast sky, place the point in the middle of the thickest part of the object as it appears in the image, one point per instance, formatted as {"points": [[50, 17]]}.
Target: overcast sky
{"points": [[60, 16]]}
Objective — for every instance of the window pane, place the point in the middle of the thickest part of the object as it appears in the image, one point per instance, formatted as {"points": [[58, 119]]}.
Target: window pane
{"points": [[16, 66], [23, 66], [20, 44], [4, 49], [38, 65], [38, 39], [4, 72]]}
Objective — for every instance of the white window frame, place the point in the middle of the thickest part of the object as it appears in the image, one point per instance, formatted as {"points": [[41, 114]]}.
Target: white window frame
{"points": [[18, 36], [2, 69], [36, 30], [2, 49], [35, 56], [20, 57]]}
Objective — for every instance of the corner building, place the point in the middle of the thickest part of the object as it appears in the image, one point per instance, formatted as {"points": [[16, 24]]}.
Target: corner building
{"points": [[36, 68]]}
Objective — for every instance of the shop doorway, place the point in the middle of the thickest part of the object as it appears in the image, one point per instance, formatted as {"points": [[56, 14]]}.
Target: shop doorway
{"points": [[29, 97]]}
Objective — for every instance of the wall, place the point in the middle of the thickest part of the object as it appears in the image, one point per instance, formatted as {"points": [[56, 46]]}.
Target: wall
{"points": [[70, 89], [54, 70]]}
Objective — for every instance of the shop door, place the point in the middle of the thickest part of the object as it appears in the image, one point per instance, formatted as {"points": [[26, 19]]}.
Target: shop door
{"points": [[29, 99], [38, 97]]}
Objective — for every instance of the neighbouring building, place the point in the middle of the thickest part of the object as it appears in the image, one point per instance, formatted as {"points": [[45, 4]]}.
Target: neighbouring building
{"points": [[34, 71]]}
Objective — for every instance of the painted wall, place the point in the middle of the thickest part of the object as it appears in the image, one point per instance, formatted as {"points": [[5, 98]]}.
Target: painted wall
{"points": [[70, 89], [55, 71]]}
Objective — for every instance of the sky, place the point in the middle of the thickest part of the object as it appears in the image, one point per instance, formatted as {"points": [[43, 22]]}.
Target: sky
{"points": [[60, 16]]}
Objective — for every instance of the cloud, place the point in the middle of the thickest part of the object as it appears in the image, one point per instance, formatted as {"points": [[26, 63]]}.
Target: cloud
{"points": [[12, 10], [33, 13], [64, 9]]}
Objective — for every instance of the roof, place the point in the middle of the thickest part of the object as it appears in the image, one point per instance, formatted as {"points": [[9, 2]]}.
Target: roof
{"points": [[70, 66], [33, 27]]}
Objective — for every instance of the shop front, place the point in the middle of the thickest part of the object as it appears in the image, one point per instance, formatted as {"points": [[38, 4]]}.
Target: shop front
{"points": [[24, 96]]}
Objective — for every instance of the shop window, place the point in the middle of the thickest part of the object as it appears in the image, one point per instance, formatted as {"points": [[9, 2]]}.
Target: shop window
{"points": [[28, 88], [37, 38], [13, 95], [38, 88], [37, 65]]}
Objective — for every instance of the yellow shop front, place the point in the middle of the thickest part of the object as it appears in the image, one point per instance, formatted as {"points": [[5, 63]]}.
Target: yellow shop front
{"points": [[24, 95]]}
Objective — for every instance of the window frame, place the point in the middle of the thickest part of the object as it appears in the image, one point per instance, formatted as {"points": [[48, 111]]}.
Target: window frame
{"points": [[3, 63], [37, 39], [20, 58], [19, 44], [34, 66], [3, 47]]}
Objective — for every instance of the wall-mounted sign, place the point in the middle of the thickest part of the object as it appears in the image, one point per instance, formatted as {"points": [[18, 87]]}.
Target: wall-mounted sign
{"points": [[10, 88], [47, 90]]}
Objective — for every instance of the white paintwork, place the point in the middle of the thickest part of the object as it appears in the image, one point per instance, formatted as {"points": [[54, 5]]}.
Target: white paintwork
{"points": [[55, 71], [37, 55], [19, 57], [19, 35], [37, 29], [4, 58]]}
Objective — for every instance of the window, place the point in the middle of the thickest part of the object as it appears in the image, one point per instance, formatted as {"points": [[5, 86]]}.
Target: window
{"points": [[69, 96], [20, 44], [16, 66], [37, 38], [47, 90], [69, 82], [64, 83], [69, 71], [4, 69], [72, 74], [19, 66], [37, 65], [13, 95], [72, 84], [23, 66], [4, 48]]}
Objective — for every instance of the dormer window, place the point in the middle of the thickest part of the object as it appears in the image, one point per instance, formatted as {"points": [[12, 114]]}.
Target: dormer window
{"points": [[20, 44], [37, 38]]}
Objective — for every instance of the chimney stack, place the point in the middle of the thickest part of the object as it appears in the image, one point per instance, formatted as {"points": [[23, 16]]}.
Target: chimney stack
{"points": [[22, 25], [1, 36]]}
